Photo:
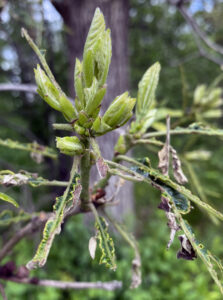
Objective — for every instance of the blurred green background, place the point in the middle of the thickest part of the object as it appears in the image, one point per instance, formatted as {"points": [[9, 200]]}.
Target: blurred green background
{"points": [[156, 32]]}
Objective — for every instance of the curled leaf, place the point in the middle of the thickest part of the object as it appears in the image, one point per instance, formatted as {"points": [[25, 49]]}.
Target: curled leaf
{"points": [[177, 169], [187, 251], [164, 159], [92, 246]]}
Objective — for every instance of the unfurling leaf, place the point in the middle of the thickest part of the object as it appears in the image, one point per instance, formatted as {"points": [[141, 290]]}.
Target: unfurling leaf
{"points": [[177, 169], [92, 246], [146, 92], [69, 145], [9, 199], [106, 244], [119, 111]]}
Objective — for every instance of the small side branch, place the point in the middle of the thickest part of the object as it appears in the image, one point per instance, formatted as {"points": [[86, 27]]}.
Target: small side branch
{"points": [[29, 88], [109, 286], [31, 227]]}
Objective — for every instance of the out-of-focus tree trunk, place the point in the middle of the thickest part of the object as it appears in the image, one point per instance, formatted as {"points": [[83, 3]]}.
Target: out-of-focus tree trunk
{"points": [[77, 16]]}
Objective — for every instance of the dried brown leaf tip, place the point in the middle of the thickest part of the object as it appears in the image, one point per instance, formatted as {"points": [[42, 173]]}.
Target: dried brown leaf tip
{"points": [[177, 169], [187, 251]]}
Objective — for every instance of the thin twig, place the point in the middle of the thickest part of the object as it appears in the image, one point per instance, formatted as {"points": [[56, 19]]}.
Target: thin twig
{"points": [[109, 286], [30, 88], [199, 34], [31, 227]]}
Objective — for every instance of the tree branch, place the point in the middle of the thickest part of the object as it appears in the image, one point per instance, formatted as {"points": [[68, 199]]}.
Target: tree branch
{"points": [[31, 227], [30, 88], [109, 286], [199, 34]]}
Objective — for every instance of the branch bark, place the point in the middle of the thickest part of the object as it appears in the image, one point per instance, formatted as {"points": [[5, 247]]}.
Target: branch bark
{"points": [[109, 286]]}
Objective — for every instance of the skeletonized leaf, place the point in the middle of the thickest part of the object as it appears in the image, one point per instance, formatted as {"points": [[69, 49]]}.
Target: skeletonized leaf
{"points": [[92, 246], [177, 169], [106, 244], [9, 199], [53, 226]]}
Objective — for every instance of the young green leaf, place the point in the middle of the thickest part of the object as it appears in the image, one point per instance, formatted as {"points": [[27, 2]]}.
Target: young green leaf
{"points": [[96, 30], [9, 199], [146, 91]]}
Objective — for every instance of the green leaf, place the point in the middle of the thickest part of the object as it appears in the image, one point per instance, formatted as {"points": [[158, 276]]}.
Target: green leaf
{"points": [[146, 92], [106, 244], [96, 30], [53, 226], [46, 89], [9, 199], [79, 84], [103, 57]]}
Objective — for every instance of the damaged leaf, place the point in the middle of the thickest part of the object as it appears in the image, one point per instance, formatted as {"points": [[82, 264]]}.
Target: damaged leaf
{"points": [[106, 244], [172, 223], [164, 159], [177, 169], [100, 163], [62, 205], [187, 251]]}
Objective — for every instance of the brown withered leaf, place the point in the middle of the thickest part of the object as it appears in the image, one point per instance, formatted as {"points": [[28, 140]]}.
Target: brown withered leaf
{"points": [[164, 204], [174, 227], [187, 251], [14, 179], [102, 167], [136, 272], [177, 169], [163, 155], [172, 223]]}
